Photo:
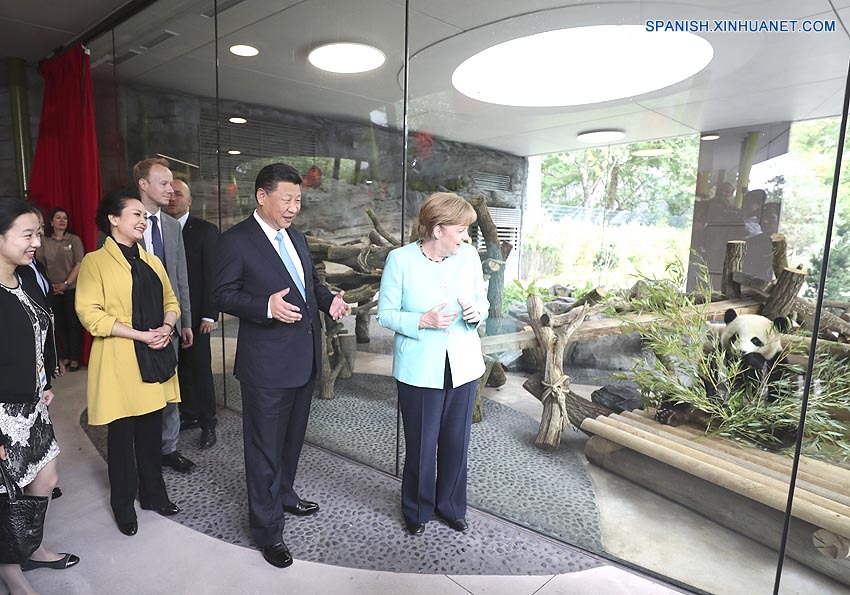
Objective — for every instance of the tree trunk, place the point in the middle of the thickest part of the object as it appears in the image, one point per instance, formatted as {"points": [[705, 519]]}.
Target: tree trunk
{"points": [[780, 255], [380, 228], [361, 323], [590, 298], [783, 293], [495, 262], [733, 263], [497, 376], [489, 364]]}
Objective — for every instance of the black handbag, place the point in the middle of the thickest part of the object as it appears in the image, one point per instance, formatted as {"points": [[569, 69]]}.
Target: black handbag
{"points": [[21, 521]]}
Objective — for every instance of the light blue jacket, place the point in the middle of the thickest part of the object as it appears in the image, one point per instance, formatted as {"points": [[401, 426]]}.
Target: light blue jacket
{"points": [[410, 286]]}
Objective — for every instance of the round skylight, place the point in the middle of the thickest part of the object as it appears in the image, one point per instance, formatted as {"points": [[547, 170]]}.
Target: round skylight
{"points": [[237, 120], [581, 65], [709, 137], [346, 58], [244, 50]]}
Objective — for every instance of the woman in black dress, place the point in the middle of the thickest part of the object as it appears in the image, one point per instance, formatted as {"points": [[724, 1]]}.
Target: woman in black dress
{"points": [[27, 365]]}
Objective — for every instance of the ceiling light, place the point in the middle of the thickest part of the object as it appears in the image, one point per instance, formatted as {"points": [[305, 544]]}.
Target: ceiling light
{"points": [[709, 137], [652, 152], [346, 58], [234, 152], [244, 50], [237, 120], [582, 65], [600, 136]]}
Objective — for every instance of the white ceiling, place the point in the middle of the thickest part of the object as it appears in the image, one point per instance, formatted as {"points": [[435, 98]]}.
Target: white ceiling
{"points": [[754, 78]]}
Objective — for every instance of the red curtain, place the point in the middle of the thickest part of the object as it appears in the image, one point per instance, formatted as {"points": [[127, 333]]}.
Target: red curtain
{"points": [[65, 171]]}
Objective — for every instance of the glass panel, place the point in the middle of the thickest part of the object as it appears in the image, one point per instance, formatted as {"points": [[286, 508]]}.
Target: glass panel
{"points": [[817, 536], [644, 215], [342, 132]]}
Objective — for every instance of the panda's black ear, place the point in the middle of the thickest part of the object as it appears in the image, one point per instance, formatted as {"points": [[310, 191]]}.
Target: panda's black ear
{"points": [[729, 316], [782, 324]]}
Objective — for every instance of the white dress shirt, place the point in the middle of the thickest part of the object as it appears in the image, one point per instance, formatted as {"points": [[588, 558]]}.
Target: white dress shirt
{"points": [[271, 234]]}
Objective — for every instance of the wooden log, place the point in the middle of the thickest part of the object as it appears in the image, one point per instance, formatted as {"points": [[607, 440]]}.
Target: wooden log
{"points": [[830, 545], [591, 297], [352, 279], [808, 507], [361, 321], [347, 345], [779, 249], [783, 293], [380, 228], [495, 262], [376, 238], [605, 327], [361, 294], [761, 523], [732, 263], [836, 304], [804, 308], [365, 259]]}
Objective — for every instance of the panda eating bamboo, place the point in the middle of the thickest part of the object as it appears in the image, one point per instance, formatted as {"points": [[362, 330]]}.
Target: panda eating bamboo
{"points": [[752, 340]]}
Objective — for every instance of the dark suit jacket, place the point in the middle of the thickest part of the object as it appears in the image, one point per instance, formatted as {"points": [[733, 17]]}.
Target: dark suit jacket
{"points": [[269, 353], [200, 238]]}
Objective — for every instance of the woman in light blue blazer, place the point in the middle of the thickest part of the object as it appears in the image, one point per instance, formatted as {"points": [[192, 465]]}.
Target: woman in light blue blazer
{"points": [[433, 297]]}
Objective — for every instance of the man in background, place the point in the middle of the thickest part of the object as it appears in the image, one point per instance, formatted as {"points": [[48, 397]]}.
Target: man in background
{"points": [[197, 392], [164, 239]]}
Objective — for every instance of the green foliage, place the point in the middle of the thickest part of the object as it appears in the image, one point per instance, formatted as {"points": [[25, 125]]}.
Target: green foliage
{"points": [[606, 257], [837, 286], [541, 258], [612, 178], [687, 362], [517, 292]]}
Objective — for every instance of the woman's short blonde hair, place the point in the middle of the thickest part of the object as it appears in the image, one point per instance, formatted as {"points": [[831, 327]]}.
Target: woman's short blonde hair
{"points": [[444, 208]]}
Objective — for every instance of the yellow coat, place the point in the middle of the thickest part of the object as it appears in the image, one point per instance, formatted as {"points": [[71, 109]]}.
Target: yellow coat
{"points": [[104, 296]]}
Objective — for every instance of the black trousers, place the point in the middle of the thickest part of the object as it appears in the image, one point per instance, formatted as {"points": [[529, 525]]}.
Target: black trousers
{"points": [[437, 425], [134, 461], [274, 422], [69, 331], [197, 390]]}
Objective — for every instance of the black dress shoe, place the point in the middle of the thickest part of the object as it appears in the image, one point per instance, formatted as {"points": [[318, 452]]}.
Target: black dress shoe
{"points": [[458, 524], [415, 528], [129, 529], [167, 509], [57, 493], [277, 555], [177, 462], [208, 437], [303, 508]]}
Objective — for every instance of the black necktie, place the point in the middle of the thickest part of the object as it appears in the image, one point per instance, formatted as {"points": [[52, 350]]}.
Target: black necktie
{"points": [[156, 239]]}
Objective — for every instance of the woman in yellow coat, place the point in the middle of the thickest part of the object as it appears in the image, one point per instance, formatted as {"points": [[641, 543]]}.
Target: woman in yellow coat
{"points": [[125, 301]]}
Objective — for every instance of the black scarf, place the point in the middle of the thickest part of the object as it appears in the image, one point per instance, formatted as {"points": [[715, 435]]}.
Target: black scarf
{"points": [[155, 365]]}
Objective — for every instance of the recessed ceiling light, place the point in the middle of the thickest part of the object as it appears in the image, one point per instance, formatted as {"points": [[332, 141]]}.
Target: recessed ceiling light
{"points": [[652, 152], [709, 137], [582, 65], [234, 152], [600, 136], [346, 58], [244, 50], [237, 120]]}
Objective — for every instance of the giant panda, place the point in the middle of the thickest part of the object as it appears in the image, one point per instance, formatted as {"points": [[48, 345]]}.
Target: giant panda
{"points": [[753, 340]]}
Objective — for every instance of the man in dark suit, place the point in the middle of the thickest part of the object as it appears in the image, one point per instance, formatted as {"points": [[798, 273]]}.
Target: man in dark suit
{"points": [[266, 277], [197, 392], [164, 239]]}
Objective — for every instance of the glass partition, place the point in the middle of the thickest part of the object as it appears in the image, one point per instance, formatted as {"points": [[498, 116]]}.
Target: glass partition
{"points": [[658, 200], [656, 204], [342, 131]]}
